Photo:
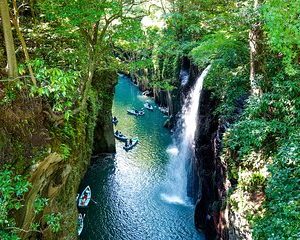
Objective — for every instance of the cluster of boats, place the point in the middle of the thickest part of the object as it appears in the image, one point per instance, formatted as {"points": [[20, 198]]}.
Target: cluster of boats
{"points": [[85, 197], [141, 112], [136, 112], [83, 201], [149, 107], [129, 142]]}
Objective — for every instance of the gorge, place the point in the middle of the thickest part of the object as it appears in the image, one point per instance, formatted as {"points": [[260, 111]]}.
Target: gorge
{"points": [[217, 158], [128, 186]]}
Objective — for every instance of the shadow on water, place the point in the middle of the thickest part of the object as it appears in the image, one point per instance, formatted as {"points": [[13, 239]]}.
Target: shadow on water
{"points": [[127, 187]]}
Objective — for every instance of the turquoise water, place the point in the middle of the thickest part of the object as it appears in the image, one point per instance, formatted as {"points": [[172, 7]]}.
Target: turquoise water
{"points": [[127, 189]]}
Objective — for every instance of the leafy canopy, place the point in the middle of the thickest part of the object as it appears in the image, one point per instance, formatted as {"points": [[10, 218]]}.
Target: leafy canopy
{"points": [[283, 29]]}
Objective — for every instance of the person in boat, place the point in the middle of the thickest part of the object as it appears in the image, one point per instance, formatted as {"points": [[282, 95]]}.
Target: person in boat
{"points": [[114, 119], [117, 133], [126, 143], [130, 141], [85, 195], [136, 111]]}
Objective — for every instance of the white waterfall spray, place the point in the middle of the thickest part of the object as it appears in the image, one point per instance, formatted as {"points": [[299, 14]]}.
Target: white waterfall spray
{"points": [[184, 77], [183, 148]]}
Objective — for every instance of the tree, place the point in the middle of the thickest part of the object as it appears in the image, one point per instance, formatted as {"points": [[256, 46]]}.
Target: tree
{"points": [[93, 21], [9, 41], [22, 40], [256, 53]]}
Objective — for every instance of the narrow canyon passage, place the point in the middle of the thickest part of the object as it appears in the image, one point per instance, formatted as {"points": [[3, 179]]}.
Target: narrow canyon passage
{"points": [[127, 188]]}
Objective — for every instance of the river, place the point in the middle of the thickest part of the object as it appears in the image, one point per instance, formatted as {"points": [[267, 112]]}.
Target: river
{"points": [[127, 189]]}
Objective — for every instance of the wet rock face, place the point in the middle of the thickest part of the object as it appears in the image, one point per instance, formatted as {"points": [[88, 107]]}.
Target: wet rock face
{"points": [[208, 190], [205, 164], [33, 148], [36, 152], [47, 177], [185, 63], [209, 193], [104, 141], [206, 172], [22, 131]]}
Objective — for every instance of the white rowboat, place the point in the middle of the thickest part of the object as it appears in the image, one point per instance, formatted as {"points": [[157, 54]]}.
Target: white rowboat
{"points": [[85, 197]]}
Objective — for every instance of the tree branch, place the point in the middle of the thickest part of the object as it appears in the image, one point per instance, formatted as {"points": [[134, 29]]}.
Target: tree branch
{"points": [[22, 230], [13, 79], [95, 32], [86, 35]]}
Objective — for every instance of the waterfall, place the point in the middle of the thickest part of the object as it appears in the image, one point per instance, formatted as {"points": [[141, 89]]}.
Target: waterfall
{"points": [[184, 77], [183, 148]]}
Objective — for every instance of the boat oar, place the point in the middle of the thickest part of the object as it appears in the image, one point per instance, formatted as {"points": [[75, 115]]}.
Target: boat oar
{"points": [[94, 201]]}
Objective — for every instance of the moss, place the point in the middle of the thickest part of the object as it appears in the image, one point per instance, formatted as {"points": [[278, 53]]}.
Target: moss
{"points": [[28, 150]]}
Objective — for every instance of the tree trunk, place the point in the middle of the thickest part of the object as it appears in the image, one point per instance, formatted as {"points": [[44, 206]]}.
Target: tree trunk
{"points": [[22, 40], [256, 56], [91, 72], [92, 42], [31, 3], [9, 41]]}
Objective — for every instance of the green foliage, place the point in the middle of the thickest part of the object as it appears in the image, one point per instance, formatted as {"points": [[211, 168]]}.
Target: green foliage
{"points": [[282, 216], [81, 13], [125, 40], [54, 221], [10, 95], [268, 119], [268, 133], [69, 132], [93, 115], [65, 151], [62, 45], [207, 31], [39, 204], [254, 182], [228, 78], [221, 46], [283, 29], [140, 64], [164, 85], [253, 135], [12, 189], [191, 20], [58, 86]]}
